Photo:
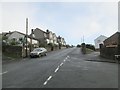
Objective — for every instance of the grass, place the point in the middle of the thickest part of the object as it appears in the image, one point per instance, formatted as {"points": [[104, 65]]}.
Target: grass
{"points": [[88, 51]]}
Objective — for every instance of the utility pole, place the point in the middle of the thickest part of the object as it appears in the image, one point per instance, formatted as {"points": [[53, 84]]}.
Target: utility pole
{"points": [[31, 39], [26, 35]]}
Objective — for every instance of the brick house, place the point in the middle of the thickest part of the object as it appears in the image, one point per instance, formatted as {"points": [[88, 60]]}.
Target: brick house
{"points": [[113, 40], [111, 46]]}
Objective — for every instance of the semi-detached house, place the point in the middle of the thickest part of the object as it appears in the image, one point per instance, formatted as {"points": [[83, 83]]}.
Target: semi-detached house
{"points": [[44, 37], [19, 37]]}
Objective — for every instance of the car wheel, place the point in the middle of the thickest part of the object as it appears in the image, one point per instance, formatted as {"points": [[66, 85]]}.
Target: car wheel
{"points": [[45, 54], [40, 55]]}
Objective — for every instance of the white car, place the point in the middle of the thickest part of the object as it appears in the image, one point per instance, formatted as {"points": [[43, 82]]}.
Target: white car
{"points": [[38, 52]]}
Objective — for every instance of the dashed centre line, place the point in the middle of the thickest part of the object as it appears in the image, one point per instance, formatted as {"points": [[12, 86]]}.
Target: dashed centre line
{"points": [[55, 71], [64, 60], [47, 80], [61, 64]]}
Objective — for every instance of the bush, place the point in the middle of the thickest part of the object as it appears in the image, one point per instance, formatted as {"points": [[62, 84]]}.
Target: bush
{"points": [[78, 45], [92, 47]]}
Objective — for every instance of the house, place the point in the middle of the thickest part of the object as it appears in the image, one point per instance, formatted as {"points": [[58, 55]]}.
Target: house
{"points": [[19, 38], [50, 36], [99, 40], [113, 40], [40, 35], [55, 39], [111, 46], [61, 40]]}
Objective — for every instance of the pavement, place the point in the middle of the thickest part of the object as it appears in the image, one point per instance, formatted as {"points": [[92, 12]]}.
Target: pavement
{"points": [[66, 68]]}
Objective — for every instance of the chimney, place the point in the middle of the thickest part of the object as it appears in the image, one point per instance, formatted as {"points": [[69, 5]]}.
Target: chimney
{"points": [[47, 31]]}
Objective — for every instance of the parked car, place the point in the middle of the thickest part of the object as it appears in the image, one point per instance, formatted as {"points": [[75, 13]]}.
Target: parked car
{"points": [[38, 52]]}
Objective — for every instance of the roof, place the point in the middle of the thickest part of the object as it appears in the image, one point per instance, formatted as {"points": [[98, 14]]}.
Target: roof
{"points": [[113, 35], [100, 36], [22, 34], [40, 30]]}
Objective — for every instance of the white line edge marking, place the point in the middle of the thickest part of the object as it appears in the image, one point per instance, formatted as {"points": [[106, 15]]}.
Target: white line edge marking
{"points": [[3, 72], [47, 80]]}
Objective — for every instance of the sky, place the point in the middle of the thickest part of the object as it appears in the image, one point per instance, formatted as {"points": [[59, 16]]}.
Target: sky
{"points": [[71, 20]]}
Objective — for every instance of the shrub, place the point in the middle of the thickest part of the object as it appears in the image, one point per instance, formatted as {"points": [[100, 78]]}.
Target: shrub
{"points": [[78, 45], [92, 47]]}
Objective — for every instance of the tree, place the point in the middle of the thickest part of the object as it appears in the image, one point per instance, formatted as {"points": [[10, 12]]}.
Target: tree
{"points": [[78, 45], [4, 40], [90, 46], [51, 45], [4, 37]]}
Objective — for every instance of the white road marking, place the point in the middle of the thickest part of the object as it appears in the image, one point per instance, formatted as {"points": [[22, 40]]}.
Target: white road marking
{"points": [[3, 72], [68, 56], [47, 80], [61, 64], [56, 69]]}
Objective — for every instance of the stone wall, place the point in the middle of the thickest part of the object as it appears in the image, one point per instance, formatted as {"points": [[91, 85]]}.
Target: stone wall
{"points": [[12, 51], [108, 52], [19, 52]]}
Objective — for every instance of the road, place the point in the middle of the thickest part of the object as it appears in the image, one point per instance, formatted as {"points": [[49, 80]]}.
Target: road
{"points": [[66, 68]]}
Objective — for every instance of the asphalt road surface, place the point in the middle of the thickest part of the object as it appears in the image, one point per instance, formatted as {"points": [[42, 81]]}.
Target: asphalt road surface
{"points": [[66, 68]]}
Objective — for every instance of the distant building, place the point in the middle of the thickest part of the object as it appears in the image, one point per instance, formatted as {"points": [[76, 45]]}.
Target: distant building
{"points": [[61, 40], [99, 40], [55, 39]]}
